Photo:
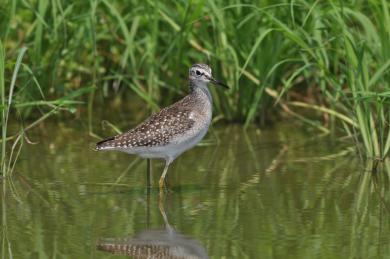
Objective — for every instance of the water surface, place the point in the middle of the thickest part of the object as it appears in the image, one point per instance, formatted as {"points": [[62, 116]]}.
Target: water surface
{"points": [[282, 192]]}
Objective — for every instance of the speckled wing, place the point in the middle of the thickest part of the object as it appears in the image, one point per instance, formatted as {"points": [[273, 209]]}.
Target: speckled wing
{"points": [[158, 130]]}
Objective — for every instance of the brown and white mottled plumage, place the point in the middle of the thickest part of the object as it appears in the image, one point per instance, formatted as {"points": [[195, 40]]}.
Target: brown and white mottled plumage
{"points": [[174, 129], [158, 130]]}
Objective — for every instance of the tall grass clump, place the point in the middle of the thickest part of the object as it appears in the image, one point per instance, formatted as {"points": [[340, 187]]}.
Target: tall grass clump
{"points": [[346, 55], [15, 100], [7, 163], [144, 48], [367, 77], [364, 75]]}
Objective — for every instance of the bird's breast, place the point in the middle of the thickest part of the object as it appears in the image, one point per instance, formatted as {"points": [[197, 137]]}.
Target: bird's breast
{"points": [[202, 114]]}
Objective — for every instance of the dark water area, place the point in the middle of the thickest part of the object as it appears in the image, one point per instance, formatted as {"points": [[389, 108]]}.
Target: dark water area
{"points": [[281, 192]]}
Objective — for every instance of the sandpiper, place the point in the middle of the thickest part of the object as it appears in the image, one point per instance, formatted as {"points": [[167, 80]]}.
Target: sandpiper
{"points": [[174, 129]]}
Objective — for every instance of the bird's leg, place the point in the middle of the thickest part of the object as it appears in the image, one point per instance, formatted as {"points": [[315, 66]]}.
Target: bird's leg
{"points": [[148, 173], [161, 182]]}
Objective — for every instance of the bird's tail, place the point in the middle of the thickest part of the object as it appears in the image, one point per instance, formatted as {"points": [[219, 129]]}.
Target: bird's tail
{"points": [[105, 144]]}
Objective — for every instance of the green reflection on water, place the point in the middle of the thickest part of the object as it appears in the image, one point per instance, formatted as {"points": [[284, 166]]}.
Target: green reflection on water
{"points": [[277, 193]]}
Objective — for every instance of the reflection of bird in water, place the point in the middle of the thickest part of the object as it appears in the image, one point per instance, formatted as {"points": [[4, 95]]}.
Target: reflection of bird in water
{"points": [[174, 129], [155, 244]]}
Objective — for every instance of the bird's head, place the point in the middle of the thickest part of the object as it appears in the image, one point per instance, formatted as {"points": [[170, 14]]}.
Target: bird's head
{"points": [[200, 74]]}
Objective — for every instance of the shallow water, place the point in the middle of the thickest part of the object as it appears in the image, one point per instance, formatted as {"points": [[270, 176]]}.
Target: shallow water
{"points": [[282, 192]]}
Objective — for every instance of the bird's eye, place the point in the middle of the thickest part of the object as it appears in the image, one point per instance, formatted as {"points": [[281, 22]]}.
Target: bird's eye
{"points": [[197, 72]]}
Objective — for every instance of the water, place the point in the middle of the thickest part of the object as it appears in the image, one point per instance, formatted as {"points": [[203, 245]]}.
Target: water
{"points": [[282, 192]]}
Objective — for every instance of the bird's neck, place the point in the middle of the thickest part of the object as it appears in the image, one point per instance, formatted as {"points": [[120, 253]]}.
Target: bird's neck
{"points": [[201, 90]]}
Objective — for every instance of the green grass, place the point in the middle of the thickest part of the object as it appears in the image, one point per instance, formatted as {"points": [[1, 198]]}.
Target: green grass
{"points": [[7, 162], [13, 104], [3, 103], [329, 57]]}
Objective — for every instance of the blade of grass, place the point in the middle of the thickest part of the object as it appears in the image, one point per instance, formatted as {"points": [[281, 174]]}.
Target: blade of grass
{"points": [[3, 110]]}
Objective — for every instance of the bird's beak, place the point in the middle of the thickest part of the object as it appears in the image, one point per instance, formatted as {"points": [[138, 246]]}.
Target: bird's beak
{"points": [[217, 82]]}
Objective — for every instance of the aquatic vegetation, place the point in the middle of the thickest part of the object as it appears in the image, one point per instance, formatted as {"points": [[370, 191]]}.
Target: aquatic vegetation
{"points": [[8, 162], [15, 100], [329, 57]]}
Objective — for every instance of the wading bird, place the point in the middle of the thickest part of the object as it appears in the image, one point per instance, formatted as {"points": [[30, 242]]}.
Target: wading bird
{"points": [[174, 129]]}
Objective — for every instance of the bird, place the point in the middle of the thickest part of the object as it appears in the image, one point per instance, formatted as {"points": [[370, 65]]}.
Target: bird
{"points": [[174, 129]]}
